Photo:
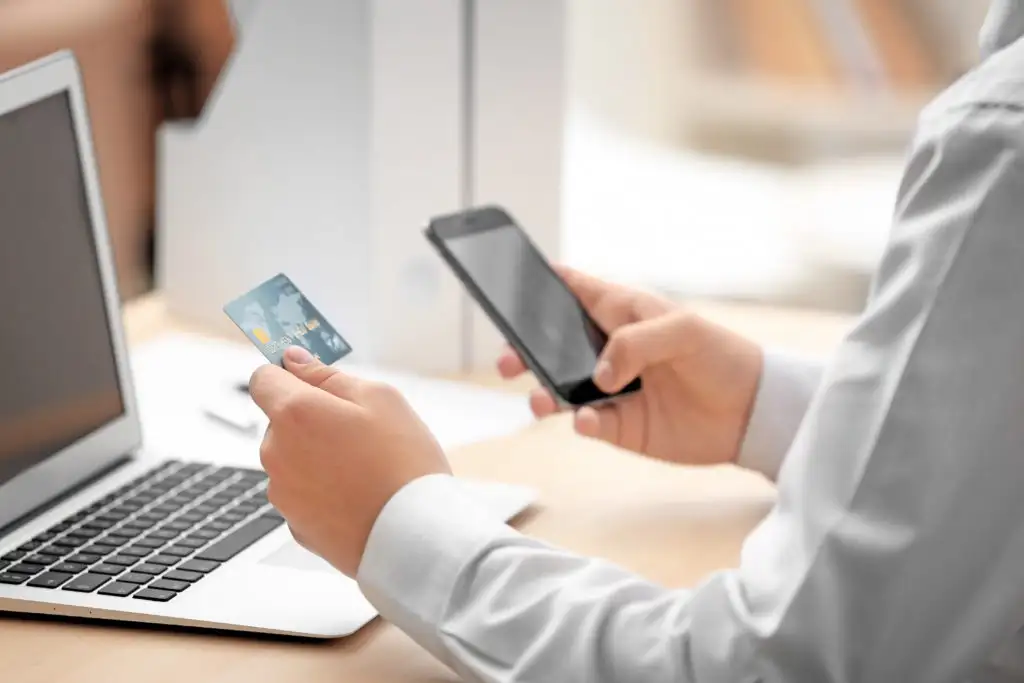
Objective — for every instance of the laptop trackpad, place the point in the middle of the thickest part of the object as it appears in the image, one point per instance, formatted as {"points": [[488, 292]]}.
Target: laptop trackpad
{"points": [[291, 555]]}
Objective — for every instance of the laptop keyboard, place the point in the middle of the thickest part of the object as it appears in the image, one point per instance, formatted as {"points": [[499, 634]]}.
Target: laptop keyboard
{"points": [[151, 539]]}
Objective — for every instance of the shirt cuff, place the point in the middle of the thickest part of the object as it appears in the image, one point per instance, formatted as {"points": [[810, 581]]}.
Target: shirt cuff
{"points": [[783, 396], [422, 539]]}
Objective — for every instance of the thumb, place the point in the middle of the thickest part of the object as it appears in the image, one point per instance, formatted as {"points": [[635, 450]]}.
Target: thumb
{"points": [[634, 348], [304, 365]]}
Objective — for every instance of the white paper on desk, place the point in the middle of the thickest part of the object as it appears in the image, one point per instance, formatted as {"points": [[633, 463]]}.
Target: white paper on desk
{"points": [[179, 376]]}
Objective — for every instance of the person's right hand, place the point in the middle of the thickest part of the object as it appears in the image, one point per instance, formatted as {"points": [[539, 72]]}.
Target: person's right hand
{"points": [[699, 379]]}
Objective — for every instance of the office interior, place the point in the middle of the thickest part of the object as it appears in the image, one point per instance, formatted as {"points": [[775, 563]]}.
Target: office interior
{"points": [[739, 150]]}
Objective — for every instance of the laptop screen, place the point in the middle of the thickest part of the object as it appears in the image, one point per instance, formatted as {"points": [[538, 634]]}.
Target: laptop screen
{"points": [[58, 372]]}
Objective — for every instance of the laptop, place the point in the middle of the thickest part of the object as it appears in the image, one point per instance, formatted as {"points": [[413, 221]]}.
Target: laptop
{"points": [[92, 524]]}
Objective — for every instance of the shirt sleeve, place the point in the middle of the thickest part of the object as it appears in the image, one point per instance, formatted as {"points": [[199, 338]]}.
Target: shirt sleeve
{"points": [[785, 390], [896, 546]]}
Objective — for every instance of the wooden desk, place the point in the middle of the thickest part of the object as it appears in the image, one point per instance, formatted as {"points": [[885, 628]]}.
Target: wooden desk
{"points": [[671, 524]]}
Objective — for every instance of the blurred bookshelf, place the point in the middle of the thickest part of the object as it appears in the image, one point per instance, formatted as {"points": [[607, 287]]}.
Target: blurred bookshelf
{"points": [[796, 80]]}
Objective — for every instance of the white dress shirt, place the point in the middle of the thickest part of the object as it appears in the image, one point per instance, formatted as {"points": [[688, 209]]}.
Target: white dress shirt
{"points": [[895, 551]]}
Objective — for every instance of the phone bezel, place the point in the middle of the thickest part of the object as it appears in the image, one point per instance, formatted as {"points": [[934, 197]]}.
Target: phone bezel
{"points": [[578, 392]]}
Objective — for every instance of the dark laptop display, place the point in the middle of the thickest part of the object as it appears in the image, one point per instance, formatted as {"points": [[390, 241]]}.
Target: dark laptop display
{"points": [[58, 373]]}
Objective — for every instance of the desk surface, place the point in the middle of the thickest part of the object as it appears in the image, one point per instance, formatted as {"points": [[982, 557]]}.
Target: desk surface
{"points": [[672, 524]]}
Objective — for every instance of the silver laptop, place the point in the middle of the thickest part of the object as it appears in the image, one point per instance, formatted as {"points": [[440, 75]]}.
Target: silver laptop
{"points": [[91, 525]]}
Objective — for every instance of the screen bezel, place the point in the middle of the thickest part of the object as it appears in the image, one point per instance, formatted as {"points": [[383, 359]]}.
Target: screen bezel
{"points": [[69, 467], [581, 391]]}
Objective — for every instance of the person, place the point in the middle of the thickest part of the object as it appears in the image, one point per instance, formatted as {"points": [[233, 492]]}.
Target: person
{"points": [[895, 550]]}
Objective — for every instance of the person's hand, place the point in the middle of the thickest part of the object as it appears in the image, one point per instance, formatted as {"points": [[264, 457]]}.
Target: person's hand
{"points": [[699, 379], [337, 449]]}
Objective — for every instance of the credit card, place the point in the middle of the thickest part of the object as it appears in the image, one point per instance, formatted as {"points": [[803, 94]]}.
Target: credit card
{"points": [[276, 315]]}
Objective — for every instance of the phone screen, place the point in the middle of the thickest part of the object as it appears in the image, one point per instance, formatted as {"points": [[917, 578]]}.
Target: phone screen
{"points": [[534, 302]]}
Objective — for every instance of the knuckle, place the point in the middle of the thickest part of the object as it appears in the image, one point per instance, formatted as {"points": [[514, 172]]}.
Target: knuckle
{"points": [[295, 409]]}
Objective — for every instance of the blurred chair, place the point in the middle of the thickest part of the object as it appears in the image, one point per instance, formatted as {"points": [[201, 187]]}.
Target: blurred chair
{"points": [[137, 58]]}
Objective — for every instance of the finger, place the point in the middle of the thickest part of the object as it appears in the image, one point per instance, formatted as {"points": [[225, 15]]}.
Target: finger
{"points": [[602, 423], [587, 288], [634, 348], [272, 387], [543, 404], [510, 365], [620, 423], [312, 371]]}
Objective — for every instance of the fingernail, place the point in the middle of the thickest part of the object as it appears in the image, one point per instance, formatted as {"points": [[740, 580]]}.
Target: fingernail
{"points": [[603, 373], [298, 355]]}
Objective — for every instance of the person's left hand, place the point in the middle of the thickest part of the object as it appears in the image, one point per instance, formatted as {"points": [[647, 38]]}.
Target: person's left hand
{"points": [[337, 449]]}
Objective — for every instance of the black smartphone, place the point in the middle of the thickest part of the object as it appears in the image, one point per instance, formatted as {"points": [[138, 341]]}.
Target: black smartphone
{"points": [[534, 309]]}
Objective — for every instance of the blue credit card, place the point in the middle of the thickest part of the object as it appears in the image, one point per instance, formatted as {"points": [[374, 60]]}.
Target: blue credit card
{"points": [[276, 315]]}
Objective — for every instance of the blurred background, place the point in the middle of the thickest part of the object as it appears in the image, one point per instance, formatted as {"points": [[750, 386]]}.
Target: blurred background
{"points": [[732, 149]]}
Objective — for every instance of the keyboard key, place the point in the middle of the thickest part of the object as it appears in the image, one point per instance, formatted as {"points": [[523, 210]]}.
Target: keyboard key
{"points": [[86, 583], [100, 524], [240, 539], [178, 525], [87, 534], [148, 568], [108, 569], [83, 558], [190, 517], [169, 507], [14, 556], [204, 510], [135, 577], [121, 511], [151, 542], [141, 524], [164, 534], [154, 516], [116, 540], [124, 533], [165, 560], [43, 558], [155, 595], [122, 560], [180, 575], [204, 533], [45, 536], [27, 568], [72, 541], [233, 517], [114, 517], [170, 585], [218, 525], [50, 580], [192, 542], [59, 546], [118, 589], [247, 508], [273, 514], [13, 579], [201, 566], [30, 546], [70, 567], [137, 551], [178, 551], [100, 549], [59, 528], [4, 564]]}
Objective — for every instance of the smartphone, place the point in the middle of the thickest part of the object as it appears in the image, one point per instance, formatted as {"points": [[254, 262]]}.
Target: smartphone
{"points": [[539, 316]]}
